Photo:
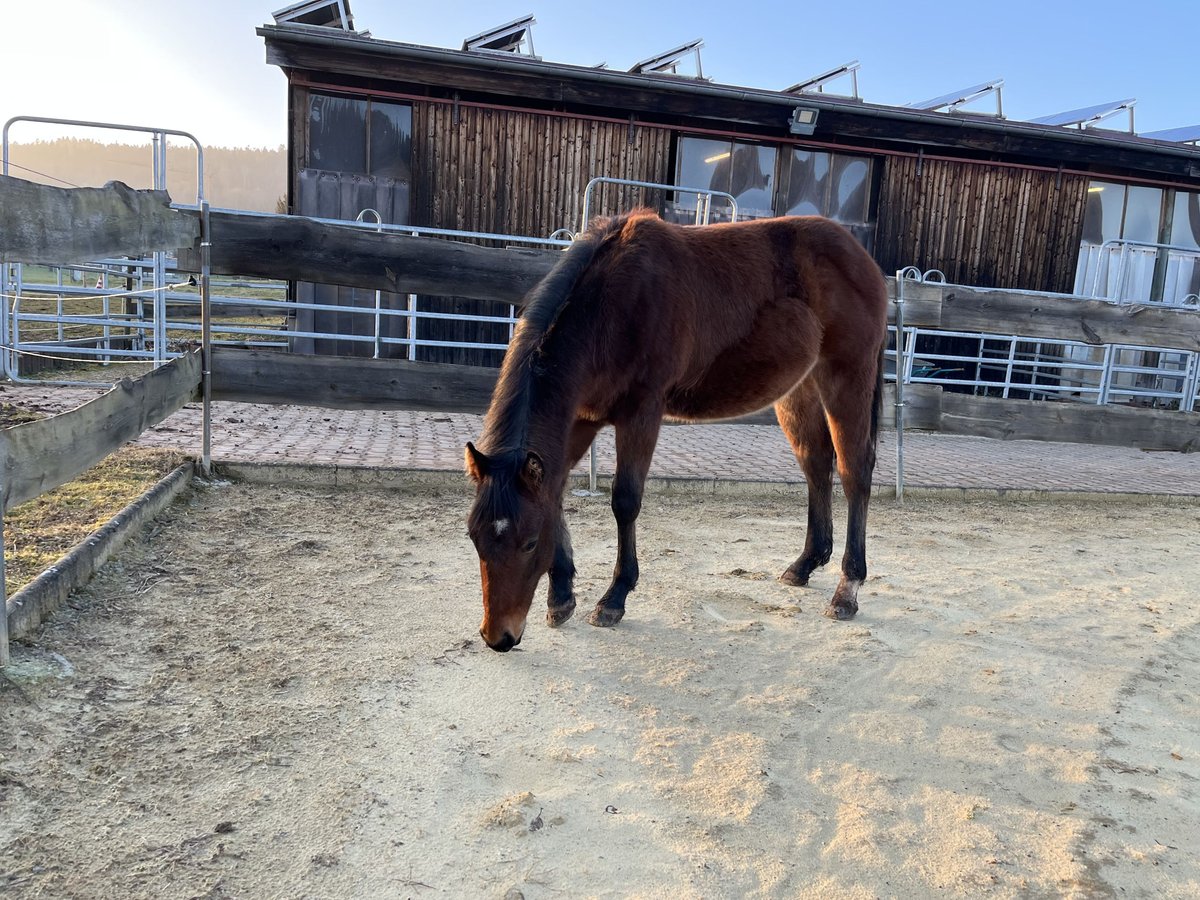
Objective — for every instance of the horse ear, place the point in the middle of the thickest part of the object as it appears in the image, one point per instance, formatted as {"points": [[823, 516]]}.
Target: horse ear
{"points": [[477, 463], [534, 470]]}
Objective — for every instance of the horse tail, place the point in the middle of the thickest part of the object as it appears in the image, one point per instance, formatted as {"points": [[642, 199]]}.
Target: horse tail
{"points": [[877, 405]]}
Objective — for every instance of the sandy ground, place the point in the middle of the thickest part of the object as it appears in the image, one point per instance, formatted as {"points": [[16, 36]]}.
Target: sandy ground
{"points": [[280, 692]]}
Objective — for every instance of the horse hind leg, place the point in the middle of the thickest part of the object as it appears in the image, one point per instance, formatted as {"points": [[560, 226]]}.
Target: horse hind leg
{"points": [[802, 418], [635, 448], [853, 423]]}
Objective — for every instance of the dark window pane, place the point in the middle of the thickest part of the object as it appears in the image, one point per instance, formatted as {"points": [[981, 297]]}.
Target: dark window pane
{"points": [[337, 134], [1143, 213], [808, 187], [1102, 215], [752, 180], [702, 164], [850, 190], [1185, 228], [391, 140]]}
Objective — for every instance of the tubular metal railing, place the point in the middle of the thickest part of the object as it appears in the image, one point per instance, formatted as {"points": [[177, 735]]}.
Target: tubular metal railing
{"points": [[1114, 262], [53, 316], [157, 262], [704, 197]]}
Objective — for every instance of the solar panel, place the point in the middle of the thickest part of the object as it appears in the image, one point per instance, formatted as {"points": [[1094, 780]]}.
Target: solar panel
{"points": [[324, 13], [817, 83], [507, 38], [668, 63], [1188, 134], [1089, 115], [953, 101]]}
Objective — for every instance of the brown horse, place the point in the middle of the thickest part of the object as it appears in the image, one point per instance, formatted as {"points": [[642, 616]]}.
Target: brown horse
{"points": [[641, 319]]}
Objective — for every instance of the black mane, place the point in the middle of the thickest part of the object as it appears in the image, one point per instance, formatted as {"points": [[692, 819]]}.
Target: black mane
{"points": [[507, 424]]}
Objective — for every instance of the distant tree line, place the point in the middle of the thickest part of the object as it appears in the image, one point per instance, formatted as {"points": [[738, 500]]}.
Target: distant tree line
{"points": [[249, 178]]}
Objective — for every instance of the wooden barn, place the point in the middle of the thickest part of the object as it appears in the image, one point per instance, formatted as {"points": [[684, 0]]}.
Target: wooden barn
{"points": [[492, 138]]}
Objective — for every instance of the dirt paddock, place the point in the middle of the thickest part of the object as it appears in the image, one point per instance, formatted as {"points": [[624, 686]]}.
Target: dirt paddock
{"points": [[280, 692]]}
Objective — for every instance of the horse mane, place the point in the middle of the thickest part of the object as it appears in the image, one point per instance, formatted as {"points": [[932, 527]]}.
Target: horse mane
{"points": [[509, 414]]}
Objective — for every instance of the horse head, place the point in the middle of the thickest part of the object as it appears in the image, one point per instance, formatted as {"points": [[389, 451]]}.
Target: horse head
{"points": [[511, 524]]}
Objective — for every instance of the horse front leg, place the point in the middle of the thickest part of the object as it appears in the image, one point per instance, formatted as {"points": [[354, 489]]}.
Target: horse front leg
{"points": [[635, 448], [560, 604], [560, 601]]}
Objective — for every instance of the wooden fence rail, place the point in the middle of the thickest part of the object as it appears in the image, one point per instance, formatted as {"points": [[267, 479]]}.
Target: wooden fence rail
{"points": [[300, 249], [39, 456], [297, 248], [1055, 317], [60, 226]]}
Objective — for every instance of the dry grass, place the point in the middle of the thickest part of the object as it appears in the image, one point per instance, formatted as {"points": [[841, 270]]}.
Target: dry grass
{"points": [[39, 533]]}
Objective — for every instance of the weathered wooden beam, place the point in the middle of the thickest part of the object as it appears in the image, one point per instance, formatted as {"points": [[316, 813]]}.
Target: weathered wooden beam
{"points": [[922, 305], [302, 249], [59, 226], [1077, 423], [264, 376], [294, 247], [341, 382], [39, 456], [922, 407], [1059, 317]]}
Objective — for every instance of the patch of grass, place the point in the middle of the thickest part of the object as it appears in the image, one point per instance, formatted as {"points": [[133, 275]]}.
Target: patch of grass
{"points": [[10, 414], [39, 533]]}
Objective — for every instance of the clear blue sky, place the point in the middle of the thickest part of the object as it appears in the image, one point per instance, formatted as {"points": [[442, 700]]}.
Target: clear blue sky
{"points": [[199, 67]]}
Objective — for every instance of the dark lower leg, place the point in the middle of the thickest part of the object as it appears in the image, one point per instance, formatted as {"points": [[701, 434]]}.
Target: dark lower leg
{"points": [[856, 480], [803, 421], [560, 601], [635, 447], [844, 604], [626, 504], [818, 539]]}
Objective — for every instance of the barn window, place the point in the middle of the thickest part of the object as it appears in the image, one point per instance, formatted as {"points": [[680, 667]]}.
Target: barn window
{"points": [[768, 182], [1140, 243], [834, 185], [747, 171], [1182, 280], [359, 136]]}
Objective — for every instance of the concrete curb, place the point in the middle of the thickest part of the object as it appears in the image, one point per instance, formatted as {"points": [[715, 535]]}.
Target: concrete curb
{"points": [[31, 605], [329, 475]]}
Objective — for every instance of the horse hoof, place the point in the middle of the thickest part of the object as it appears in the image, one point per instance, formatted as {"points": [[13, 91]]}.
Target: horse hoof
{"points": [[605, 617], [557, 615], [841, 610], [794, 578]]}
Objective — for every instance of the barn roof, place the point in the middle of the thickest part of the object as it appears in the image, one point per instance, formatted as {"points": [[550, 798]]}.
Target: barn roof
{"points": [[347, 59]]}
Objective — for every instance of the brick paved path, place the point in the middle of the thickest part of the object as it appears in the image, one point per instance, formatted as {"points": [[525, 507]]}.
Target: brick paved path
{"points": [[245, 432]]}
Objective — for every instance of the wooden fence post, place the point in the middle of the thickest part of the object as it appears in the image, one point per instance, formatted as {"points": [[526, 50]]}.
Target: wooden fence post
{"points": [[4, 658]]}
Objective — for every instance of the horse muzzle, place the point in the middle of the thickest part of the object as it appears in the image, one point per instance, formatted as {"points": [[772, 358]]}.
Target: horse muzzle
{"points": [[503, 643]]}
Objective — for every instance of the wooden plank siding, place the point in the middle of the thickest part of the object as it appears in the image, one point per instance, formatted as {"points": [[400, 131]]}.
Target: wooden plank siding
{"points": [[518, 173], [522, 173], [980, 224]]}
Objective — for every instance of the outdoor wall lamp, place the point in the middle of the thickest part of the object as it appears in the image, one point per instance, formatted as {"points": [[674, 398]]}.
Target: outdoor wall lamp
{"points": [[803, 120]]}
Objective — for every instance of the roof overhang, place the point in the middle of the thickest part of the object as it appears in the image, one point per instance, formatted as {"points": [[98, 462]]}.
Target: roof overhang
{"points": [[759, 112]]}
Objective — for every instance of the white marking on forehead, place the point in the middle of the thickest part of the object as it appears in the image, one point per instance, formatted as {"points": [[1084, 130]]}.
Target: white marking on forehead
{"points": [[501, 526]]}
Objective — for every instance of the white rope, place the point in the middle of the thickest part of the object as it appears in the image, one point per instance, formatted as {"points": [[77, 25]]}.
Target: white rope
{"points": [[80, 359], [49, 289]]}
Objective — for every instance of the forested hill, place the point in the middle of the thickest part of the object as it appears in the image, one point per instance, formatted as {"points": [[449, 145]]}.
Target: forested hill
{"points": [[234, 177]]}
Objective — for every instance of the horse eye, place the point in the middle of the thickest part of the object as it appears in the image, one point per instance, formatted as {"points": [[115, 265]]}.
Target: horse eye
{"points": [[530, 546]]}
